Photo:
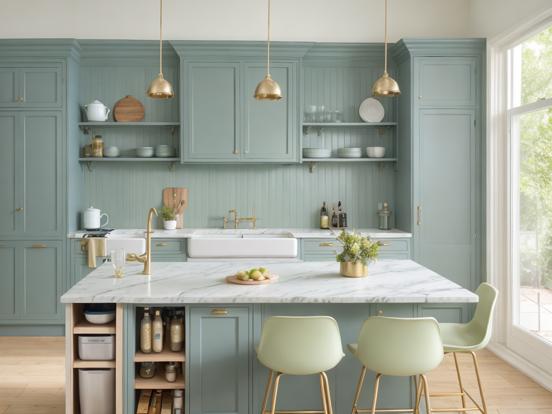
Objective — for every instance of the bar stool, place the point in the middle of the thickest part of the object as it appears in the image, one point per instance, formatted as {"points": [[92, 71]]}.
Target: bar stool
{"points": [[293, 345], [402, 347], [469, 338]]}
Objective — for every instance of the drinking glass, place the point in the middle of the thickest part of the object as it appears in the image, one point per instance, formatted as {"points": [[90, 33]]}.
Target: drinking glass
{"points": [[321, 113], [310, 113], [118, 260]]}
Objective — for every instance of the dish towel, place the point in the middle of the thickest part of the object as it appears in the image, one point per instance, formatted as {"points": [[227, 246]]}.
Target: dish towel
{"points": [[95, 247]]}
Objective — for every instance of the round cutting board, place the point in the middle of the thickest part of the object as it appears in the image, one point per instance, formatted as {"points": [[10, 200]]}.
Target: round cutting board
{"points": [[234, 279], [128, 109]]}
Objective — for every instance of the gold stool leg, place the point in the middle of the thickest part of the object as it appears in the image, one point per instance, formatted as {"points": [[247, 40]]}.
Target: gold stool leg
{"points": [[323, 394], [267, 390], [275, 392], [426, 394], [376, 391], [476, 365], [328, 394], [459, 376], [358, 389]]}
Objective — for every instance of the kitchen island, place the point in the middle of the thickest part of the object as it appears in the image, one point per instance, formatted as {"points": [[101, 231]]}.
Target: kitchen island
{"points": [[223, 324]]}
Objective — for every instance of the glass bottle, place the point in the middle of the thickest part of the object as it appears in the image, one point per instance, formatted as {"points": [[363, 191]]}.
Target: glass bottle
{"points": [[177, 332], [324, 218], [157, 332], [145, 332]]}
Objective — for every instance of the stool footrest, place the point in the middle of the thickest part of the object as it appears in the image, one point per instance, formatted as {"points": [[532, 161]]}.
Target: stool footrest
{"points": [[295, 412], [386, 410]]}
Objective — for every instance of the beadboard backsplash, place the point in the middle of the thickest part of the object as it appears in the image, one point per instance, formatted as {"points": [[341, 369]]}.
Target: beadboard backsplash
{"points": [[280, 195]]}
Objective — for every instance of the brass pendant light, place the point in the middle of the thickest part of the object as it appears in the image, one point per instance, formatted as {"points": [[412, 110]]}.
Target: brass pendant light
{"points": [[268, 89], [160, 88], [385, 85]]}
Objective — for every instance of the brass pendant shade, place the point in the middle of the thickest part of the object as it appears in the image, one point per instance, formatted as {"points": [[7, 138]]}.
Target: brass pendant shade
{"points": [[268, 89], [385, 85], [160, 88]]}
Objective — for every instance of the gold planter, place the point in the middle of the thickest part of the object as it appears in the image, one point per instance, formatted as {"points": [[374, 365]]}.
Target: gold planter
{"points": [[356, 269]]}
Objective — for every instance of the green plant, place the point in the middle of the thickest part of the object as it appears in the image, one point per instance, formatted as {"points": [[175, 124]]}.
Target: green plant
{"points": [[357, 248], [167, 213]]}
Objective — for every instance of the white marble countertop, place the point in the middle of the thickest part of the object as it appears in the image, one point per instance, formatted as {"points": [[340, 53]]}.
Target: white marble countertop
{"points": [[389, 281], [297, 233]]}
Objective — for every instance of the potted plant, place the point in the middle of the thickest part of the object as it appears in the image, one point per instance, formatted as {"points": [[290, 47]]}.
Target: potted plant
{"points": [[357, 252], [168, 216]]}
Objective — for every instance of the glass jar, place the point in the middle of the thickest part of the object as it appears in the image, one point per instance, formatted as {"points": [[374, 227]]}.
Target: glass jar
{"points": [[170, 372], [147, 369], [97, 146]]}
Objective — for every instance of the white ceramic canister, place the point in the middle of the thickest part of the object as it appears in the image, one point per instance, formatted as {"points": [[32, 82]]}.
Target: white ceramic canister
{"points": [[92, 217], [96, 111]]}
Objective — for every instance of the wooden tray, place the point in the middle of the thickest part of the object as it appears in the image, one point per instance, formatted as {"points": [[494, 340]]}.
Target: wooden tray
{"points": [[128, 109], [234, 279]]}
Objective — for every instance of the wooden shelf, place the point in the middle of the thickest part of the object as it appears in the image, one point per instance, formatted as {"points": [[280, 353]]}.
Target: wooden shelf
{"points": [[85, 327], [349, 159], [93, 364], [158, 382], [128, 124], [165, 356], [130, 159]]}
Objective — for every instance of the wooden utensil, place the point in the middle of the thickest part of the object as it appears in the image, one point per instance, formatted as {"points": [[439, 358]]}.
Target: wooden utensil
{"points": [[234, 279], [128, 109], [177, 199]]}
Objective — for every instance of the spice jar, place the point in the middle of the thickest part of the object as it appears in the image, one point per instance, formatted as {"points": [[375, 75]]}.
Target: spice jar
{"points": [[97, 146], [178, 401], [170, 372], [147, 369]]}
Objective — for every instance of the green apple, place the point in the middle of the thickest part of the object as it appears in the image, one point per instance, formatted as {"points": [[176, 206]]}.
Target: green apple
{"points": [[256, 275]]}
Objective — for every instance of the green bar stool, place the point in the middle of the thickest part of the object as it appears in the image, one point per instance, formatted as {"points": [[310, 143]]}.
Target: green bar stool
{"points": [[404, 347], [469, 338], [293, 345]]}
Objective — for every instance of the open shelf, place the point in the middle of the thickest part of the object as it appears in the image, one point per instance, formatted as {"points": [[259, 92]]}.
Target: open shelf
{"points": [[128, 124], [84, 327], [165, 356], [129, 159], [349, 124], [93, 364], [158, 382], [349, 159]]}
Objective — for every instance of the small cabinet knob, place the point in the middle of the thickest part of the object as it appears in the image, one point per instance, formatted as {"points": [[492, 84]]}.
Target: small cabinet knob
{"points": [[380, 312], [19, 209], [236, 151]]}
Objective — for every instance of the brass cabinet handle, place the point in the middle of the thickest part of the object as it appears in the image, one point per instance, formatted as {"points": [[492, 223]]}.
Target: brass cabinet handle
{"points": [[385, 244], [326, 244], [219, 312], [39, 246], [161, 244], [19, 209], [418, 215]]}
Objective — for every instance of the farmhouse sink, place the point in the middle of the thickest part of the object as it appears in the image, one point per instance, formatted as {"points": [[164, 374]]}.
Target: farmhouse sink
{"points": [[241, 244], [130, 243]]}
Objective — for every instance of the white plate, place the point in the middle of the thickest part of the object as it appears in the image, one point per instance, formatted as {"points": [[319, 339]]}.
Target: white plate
{"points": [[371, 110]]}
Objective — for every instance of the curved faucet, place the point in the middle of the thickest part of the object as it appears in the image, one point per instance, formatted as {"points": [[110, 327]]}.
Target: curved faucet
{"points": [[146, 257]]}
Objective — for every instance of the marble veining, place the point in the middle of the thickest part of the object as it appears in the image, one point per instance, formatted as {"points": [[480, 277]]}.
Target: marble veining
{"points": [[389, 281]]}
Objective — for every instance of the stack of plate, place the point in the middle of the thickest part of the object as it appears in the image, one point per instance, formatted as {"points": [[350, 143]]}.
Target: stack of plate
{"points": [[144, 152], [316, 153], [164, 151], [351, 152]]}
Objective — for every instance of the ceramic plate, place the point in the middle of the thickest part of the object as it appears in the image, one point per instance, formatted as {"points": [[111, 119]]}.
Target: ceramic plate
{"points": [[371, 110]]}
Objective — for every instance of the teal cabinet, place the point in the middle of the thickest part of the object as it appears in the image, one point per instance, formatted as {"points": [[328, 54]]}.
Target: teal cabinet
{"points": [[219, 360], [37, 85], [271, 127], [327, 249], [168, 250], [31, 281], [31, 175], [210, 105], [445, 312]]}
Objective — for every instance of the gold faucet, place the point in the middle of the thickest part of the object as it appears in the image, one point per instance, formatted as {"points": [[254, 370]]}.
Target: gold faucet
{"points": [[237, 220], [146, 257]]}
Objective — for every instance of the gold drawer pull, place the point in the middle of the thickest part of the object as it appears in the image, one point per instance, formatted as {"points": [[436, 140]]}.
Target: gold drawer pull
{"points": [[39, 246], [161, 244], [219, 312], [385, 244], [326, 244]]}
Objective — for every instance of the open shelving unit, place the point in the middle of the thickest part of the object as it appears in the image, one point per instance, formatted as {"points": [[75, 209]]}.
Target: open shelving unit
{"points": [[158, 382]]}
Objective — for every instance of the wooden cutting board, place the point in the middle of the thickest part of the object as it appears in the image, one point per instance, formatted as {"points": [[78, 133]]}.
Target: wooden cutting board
{"points": [[177, 199], [128, 109]]}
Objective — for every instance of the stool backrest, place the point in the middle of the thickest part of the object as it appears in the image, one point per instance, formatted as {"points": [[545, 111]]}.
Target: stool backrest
{"points": [[298, 345], [482, 323], [400, 346]]}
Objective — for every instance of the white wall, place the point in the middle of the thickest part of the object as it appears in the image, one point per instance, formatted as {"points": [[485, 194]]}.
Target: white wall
{"points": [[310, 20], [490, 18]]}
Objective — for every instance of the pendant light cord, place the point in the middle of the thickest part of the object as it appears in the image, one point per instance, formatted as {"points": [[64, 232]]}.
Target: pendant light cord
{"points": [[385, 39], [268, 43], [161, 37]]}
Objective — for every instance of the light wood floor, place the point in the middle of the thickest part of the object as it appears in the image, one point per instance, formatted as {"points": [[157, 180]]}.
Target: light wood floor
{"points": [[32, 380]]}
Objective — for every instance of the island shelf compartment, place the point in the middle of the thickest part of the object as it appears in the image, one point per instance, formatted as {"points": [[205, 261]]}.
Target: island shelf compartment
{"points": [[77, 325]]}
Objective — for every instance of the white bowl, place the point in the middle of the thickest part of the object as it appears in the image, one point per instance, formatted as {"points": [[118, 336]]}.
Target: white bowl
{"points": [[144, 152], [164, 151], [99, 318], [316, 153], [111, 152], [375, 152], [352, 152]]}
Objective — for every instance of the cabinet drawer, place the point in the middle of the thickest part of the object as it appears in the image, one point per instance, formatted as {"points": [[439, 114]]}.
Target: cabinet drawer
{"points": [[168, 249], [394, 249], [319, 249]]}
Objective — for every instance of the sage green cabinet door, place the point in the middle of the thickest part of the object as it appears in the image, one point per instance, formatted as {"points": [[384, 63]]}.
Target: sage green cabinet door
{"points": [[8, 281], [41, 279], [446, 82], [41, 86], [210, 105], [42, 158], [446, 183], [8, 86], [219, 360], [9, 166], [270, 132]]}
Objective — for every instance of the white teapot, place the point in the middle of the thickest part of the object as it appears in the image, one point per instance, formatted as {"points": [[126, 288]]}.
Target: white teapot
{"points": [[97, 111]]}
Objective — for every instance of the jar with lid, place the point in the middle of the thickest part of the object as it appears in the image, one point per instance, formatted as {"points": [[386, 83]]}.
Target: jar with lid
{"points": [[147, 369], [170, 372], [178, 401], [176, 332], [97, 146]]}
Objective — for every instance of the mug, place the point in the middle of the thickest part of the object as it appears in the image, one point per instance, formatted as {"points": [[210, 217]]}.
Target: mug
{"points": [[92, 219]]}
